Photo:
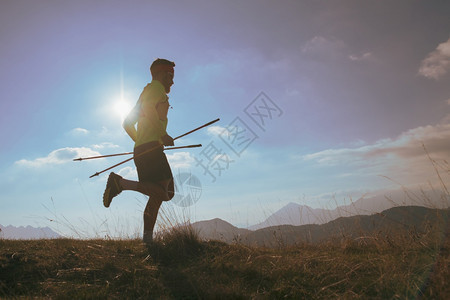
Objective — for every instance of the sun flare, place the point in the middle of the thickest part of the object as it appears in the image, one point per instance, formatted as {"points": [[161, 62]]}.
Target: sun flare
{"points": [[122, 108]]}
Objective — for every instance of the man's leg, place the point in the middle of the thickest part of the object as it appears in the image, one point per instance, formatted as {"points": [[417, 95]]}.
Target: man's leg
{"points": [[158, 192], [123, 184], [116, 184], [131, 185]]}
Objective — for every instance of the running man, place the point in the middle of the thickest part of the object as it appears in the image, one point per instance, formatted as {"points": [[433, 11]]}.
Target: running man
{"points": [[154, 173]]}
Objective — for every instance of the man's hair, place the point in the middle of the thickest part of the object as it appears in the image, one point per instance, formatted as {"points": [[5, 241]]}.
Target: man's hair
{"points": [[157, 65]]}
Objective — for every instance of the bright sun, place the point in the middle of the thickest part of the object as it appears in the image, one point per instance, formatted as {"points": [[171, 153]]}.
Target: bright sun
{"points": [[122, 108]]}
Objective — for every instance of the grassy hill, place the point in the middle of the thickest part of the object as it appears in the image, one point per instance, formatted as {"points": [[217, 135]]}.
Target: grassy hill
{"points": [[180, 265]]}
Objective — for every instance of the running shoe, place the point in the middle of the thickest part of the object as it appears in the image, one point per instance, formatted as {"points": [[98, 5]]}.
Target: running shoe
{"points": [[113, 188]]}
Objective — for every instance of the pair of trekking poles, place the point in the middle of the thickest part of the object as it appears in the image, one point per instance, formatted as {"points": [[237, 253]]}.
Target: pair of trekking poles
{"points": [[145, 152]]}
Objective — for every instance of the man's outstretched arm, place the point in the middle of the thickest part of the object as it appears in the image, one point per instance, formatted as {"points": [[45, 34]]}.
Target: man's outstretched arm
{"points": [[130, 121]]}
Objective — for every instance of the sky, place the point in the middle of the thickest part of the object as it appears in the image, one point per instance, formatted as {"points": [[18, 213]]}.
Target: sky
{"points": [[320, 103]]}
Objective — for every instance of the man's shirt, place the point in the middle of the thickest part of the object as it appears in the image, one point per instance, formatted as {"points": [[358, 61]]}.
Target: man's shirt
{"points": [[150, 127]]}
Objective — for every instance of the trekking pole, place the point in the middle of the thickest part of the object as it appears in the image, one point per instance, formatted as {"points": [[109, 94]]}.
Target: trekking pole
{"points": [[189, 132], [154, 148], [98, 173], [181, 147], [101, 156], [140, 154], [128, 153]]}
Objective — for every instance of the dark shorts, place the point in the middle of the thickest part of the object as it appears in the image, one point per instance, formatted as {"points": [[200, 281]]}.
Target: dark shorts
{"points": [[152, 166]]}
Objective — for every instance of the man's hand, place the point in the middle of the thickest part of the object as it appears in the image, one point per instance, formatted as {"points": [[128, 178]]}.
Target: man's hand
{"points": [[167, 140]]}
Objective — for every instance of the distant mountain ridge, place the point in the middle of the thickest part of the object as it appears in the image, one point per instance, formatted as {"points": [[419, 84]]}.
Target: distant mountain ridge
{"points": [[218, 229], [27, 233], [416, 219], [296, 214]]}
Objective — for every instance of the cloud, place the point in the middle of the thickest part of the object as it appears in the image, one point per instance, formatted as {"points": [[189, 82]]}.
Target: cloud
{"points": [[180, 160], [437, 63], [216, 130], [407, 146], [320, 46], [105, 145], [78, 131], [332, 48], [365, 56], [128, 173], [402, 158], [59, 156]]}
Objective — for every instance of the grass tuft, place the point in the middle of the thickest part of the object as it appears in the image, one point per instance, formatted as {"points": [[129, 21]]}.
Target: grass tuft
{"points": [[178, 244]]}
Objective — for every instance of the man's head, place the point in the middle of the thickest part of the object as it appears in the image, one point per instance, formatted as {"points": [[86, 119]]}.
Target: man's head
{"points": [[162, 70]]}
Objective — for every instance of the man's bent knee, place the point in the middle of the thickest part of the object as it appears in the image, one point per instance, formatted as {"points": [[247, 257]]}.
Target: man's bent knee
{"points": [[163, 190], [159, 191]]}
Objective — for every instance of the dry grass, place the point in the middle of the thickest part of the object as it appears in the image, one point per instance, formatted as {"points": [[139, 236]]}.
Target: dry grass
{"points": [[179, 265]]}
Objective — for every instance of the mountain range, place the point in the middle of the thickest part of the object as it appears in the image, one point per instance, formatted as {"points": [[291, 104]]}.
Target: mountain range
{"points": [[392, 222], [295, 219], [296, 214], [27, 233]]}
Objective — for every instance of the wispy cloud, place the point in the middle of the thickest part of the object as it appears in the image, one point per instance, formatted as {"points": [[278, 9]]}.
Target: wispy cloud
{"points": [[59, 156], [329, 47], [402, 159], [408, 145], [180, 160], [105, 145], [216, 130], [321, 46], [362, 57], [437, 63], [411, 159], [79, 131]]}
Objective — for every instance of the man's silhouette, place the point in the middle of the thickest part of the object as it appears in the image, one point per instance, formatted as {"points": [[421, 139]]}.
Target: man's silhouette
{"points": [[150, 137]]}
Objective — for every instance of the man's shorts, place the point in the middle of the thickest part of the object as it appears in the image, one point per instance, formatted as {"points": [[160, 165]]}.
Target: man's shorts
{"points": [[153, 166]]}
